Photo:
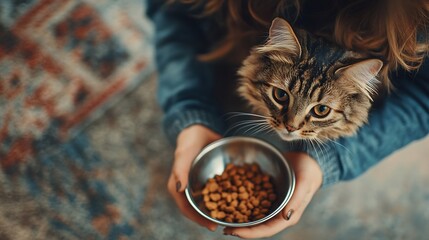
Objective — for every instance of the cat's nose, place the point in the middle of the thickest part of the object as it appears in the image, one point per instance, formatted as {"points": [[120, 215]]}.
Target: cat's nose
{"points": [[290, 128]]}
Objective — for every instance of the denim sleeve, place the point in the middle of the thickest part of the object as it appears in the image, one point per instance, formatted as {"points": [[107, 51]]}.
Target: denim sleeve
{"points": [[185, 84], [402, 119]]}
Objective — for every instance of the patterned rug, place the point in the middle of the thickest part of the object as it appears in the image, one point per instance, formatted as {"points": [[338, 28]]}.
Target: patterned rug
{"points": [[62, 65]]}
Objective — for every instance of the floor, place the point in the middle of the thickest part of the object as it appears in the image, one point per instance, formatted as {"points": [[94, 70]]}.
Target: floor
{"points": [[390, 201]]}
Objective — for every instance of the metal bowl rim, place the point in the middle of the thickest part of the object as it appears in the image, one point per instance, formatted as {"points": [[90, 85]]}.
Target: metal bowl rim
{"points": [[227, 140]]}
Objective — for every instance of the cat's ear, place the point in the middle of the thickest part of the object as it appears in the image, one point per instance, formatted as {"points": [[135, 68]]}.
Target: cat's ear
{"points": [[363, 74], [281, 35]]}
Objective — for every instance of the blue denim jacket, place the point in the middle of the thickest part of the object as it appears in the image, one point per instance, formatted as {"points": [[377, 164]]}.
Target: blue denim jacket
{"points": [[185, 92]]}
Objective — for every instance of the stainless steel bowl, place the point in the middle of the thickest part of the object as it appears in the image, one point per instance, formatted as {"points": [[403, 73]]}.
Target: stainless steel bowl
{"points": [[239, 150]]}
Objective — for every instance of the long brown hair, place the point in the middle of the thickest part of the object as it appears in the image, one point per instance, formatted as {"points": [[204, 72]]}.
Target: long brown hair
{"points": [[384, 28]]}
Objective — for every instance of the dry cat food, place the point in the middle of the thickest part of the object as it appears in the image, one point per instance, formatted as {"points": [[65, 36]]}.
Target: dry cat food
{"points": [[240, 194]]}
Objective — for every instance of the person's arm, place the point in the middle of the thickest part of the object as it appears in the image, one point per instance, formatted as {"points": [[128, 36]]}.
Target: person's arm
{"points": [[185, 84], [185, 92], [402, 119]]}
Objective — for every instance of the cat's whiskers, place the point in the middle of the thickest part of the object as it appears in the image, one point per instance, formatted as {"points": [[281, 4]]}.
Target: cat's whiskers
{"points": [[311, 143], [337, 143], [262, 128], [256, 127], [245, 123], [244, 114], [317, 145], [253, 125], [321, 146]]}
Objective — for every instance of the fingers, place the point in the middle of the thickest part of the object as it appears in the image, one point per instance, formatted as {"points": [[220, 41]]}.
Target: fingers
{"points": [[177, 184], [189, 143], [288, 217], [307, 183], [186, 208], [181, 166]]}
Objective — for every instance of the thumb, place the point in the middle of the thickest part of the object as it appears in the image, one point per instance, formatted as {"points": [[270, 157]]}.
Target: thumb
{"points": [[181, 167], [189, 143]]}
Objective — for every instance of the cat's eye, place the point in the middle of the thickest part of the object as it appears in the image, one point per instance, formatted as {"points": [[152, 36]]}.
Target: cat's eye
{"points": [[320, 111], [280, 95]]}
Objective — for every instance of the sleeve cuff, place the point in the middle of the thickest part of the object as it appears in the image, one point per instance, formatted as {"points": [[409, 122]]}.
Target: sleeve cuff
{"points": [[175, 123]]}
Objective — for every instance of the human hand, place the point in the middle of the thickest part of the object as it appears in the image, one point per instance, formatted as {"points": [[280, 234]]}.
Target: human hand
{"points": [[308, 180], [189, 143]]}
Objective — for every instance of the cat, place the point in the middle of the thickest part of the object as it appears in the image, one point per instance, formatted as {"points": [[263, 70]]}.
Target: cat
{"points": [[306, 87]]}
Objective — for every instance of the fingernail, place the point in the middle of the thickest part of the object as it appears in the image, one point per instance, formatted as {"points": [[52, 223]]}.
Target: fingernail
{"points": [[234, 234], [288, 215], [178, 185], [212, 228]]}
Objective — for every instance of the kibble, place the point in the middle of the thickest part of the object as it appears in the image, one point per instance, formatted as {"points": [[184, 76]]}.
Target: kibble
{"points": [[215, 197], [211, 205], [240, 194]]}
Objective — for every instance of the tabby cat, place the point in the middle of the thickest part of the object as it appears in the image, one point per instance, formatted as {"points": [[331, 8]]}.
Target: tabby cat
{"points": [[306, 87]]}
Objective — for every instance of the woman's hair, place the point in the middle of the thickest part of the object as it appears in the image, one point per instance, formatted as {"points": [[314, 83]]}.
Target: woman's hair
{"points": [[384, 28]]}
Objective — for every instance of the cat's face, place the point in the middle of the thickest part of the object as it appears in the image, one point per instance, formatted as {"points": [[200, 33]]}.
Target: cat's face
{"points": [[308, 90]]}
